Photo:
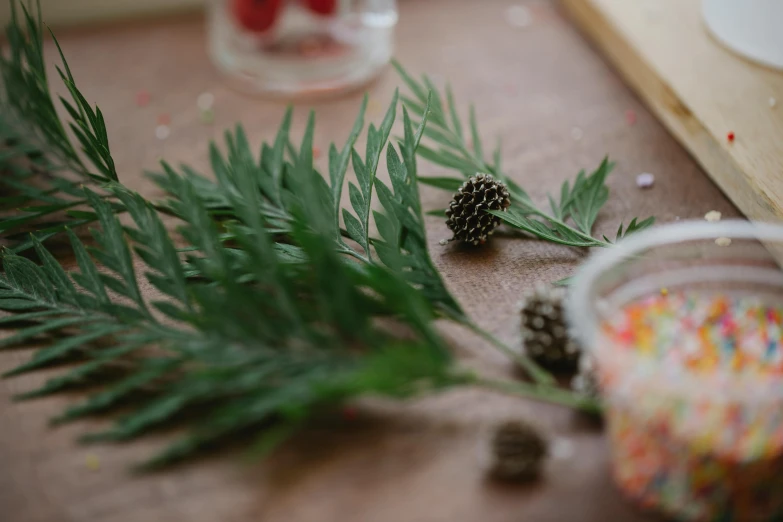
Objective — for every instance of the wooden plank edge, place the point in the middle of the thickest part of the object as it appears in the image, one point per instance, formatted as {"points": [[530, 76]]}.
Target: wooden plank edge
{"points": [[664, 102]]}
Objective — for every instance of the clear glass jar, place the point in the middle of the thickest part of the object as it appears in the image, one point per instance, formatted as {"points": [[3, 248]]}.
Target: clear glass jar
{"points": [[691, 434], [301, 47]]}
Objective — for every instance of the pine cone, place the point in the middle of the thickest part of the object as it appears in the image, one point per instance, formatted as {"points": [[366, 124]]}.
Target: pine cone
{"points": [[518, 450], [545, 334], [467, 213]]}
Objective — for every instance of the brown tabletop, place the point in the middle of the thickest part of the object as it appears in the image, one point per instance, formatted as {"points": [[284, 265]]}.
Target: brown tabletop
{"points": [[394, 463]]}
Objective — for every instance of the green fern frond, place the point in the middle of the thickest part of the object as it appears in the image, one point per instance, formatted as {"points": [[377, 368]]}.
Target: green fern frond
{"points": [[269, 313]]}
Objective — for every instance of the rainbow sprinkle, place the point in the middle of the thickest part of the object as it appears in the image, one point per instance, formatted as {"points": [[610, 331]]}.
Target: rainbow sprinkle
{"points": [[694, 388]]}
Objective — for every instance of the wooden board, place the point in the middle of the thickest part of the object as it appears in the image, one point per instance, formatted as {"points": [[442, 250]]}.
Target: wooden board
{"points": [[414, 462], [700, 90]]}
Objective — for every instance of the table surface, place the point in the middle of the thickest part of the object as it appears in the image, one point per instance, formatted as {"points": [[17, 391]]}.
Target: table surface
{"points": [[414, 462]]}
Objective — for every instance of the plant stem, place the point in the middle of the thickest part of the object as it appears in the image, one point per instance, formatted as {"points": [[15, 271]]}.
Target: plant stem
{"points": [[538, 374], [542, 393], [586, 237]]}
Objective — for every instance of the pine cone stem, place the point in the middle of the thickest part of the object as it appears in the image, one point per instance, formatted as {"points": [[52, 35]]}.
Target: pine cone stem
{"points": [[534, 371]]}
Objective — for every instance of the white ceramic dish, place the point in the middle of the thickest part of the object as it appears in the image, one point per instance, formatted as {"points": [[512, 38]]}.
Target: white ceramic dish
{"points": [[752, 28]]}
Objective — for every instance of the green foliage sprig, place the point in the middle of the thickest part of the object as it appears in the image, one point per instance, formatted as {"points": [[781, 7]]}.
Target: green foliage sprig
{"points": [[571, 215], [272, 311]]}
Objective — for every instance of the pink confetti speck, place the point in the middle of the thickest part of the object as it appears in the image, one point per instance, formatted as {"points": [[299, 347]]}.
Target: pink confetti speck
{"points": [[316, 153], [143, 98], [630, 117], [645, 180], [164, 119], [162, 132]]}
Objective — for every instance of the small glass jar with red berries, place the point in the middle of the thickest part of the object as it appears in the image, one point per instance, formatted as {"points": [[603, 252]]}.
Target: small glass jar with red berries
{"points": [[301, 47]]}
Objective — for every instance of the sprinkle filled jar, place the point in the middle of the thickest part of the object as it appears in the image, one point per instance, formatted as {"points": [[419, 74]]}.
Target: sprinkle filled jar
{"points": [[301, 47], [687, 334]]}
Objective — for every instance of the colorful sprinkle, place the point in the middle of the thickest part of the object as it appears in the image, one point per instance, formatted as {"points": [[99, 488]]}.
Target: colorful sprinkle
{"points": [[730, 136], [207, 116], [645, 180], [162, 132], [316, 153], [519, 16], [712, 216], [630, 117], [92, 463], [143, 98], [164, 119], [205, 101], [695, 426], [664, 291], [562, 449]]}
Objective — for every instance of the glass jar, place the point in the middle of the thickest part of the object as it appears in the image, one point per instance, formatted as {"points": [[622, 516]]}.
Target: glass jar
{"points": [[684, 324], [301, 47]]}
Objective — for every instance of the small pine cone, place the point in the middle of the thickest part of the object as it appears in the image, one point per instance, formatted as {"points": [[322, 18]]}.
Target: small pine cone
{"points": [[467, 214], [545, 334], [517, 451]]}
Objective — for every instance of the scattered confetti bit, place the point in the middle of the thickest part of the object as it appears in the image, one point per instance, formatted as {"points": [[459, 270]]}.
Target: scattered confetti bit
{"points": [[162, 132], [562, 449], [772, 102], [577, 133], [730, 136], [316, 153], [164, 119], [630, 117], [518, 16], [664, 291], [92, 463], [143, 98], [713, 216], [723, 241], [205, 101], [207, 116], [645, 180]]}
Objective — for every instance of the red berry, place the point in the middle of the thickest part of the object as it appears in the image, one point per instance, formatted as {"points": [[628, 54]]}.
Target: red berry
{"points": [[322, 7], [257, 15]]}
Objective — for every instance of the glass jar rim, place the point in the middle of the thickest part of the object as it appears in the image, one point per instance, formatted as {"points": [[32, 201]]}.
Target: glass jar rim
{"points": [[580, 306]]}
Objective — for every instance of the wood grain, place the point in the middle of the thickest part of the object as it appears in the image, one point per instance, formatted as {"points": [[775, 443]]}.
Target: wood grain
{"points": [[700, 90], [415, 462]]}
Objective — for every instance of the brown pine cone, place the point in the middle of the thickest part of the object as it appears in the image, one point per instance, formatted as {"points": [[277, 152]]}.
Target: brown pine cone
{"points": [[544, 330], [517, 451], [467, 213]]}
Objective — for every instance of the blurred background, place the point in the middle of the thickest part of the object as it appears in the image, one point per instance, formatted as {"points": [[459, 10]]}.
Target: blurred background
{"points": [[68, 12]]}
